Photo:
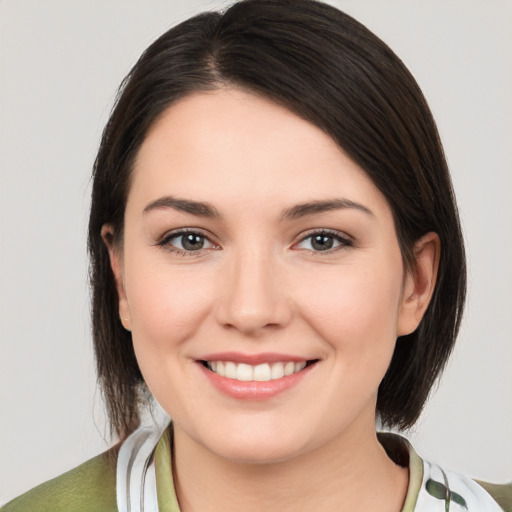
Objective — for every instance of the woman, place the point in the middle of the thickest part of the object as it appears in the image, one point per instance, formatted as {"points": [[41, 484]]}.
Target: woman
{"points": [[271, 211]]}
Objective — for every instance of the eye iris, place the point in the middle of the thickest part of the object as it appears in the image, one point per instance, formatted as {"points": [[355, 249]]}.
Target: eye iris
{"points": [[192, 242], [322, 242]]}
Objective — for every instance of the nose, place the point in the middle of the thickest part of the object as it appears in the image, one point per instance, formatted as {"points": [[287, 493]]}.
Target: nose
{"points": [[253, 298]]}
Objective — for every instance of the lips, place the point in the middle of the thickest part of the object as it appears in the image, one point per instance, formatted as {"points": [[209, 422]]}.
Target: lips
{"points": [[255, 377]]}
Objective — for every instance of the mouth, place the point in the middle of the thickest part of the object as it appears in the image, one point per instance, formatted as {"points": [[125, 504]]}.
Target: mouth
{"points": [[255, 377], [263, 372]]}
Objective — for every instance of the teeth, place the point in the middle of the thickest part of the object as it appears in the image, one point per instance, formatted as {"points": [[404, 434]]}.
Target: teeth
{"points": [[244, 372], [230, 370], [260, 373], [289, 368], [277, 371], [299, 366], [221, 368]]}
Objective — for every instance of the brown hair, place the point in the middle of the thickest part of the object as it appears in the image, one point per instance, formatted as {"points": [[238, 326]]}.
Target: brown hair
{"points": [[329, 69]]}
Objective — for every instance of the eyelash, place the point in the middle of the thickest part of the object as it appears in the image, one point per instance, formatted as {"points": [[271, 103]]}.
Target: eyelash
{"points": [[165, 241], [344, 241]]}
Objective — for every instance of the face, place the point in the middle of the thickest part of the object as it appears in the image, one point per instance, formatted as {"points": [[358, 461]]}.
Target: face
{"points": [[261, 277]]}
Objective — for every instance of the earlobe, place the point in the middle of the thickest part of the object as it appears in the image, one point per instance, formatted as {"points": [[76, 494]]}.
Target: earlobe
{"points": [[116, 264], [419, 283]]}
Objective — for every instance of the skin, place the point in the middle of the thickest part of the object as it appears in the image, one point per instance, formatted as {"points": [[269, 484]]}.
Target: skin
{"points": [[258, 285]]}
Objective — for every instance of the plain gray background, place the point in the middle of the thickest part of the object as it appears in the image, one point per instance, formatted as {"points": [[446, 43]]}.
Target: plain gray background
{"points": [[60, 64]]}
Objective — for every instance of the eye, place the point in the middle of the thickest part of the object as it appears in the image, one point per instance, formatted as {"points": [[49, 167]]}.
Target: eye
{"points": [[323, 241], [186, 242]]}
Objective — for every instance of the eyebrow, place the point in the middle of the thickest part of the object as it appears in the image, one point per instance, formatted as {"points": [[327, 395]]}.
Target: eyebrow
{"points": [[314, 207], [202, 209], [183, 205]]}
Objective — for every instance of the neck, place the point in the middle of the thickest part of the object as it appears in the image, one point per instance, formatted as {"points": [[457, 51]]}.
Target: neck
{"points": [[351, 472]]}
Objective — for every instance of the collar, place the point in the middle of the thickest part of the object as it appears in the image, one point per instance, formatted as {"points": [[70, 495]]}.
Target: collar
{"points": [[433, 489], [145, 476]]}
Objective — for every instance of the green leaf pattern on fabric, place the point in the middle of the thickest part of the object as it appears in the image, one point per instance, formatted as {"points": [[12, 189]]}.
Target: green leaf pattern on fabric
{"points": [[445, 491], [441, 492]]}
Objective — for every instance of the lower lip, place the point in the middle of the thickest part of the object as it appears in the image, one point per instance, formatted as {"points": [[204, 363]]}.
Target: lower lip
{"points": [[254, 390]]}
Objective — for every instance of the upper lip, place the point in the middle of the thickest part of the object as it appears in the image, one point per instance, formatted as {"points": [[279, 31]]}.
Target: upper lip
{"points": [[254, 359]]}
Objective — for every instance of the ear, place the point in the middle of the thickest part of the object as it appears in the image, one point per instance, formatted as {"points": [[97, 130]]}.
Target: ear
{"points": [[116, 263], [419, 283]]}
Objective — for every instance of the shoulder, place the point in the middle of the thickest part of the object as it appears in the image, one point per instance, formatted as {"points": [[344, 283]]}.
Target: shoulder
{"points": [[432, 488], [89, 487], [502, 494], [461, 492]]}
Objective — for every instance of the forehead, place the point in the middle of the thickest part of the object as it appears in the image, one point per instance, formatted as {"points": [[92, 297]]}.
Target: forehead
{"points": [[229, 144]]}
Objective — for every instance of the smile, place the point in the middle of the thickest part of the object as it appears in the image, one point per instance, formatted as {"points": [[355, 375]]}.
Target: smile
{"points": [[255, 377], [260, 373]]}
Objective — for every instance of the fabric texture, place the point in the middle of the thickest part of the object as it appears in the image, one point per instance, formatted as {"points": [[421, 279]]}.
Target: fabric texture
{"points": [[92, 487], [89, 487]]}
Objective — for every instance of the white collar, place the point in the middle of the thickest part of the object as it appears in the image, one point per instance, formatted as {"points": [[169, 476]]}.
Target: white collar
{"points": [[431, 489], [135, 475]]}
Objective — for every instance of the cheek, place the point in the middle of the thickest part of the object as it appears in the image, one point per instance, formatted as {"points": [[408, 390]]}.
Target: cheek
{"points": [[167, 308], [166, 305], [356, 311]]}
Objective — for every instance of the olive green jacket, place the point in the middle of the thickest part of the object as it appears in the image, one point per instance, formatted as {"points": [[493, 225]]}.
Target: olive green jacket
{"points": [[91, 487]]}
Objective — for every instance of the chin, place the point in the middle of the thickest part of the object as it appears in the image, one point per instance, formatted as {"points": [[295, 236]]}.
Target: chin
{"points": [[256, 453], [255, 445]]}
